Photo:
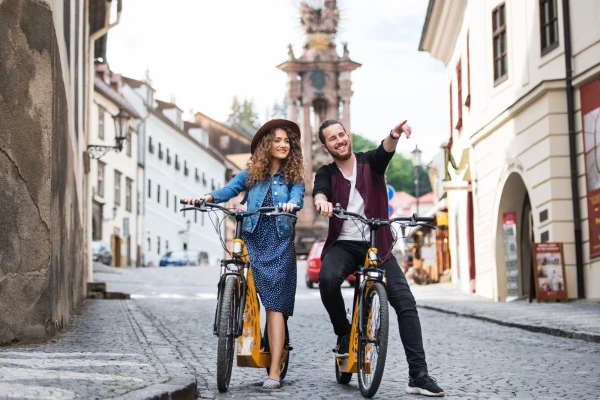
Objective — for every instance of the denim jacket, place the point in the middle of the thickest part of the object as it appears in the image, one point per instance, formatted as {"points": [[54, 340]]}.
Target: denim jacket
{"points": [[282, 193]]}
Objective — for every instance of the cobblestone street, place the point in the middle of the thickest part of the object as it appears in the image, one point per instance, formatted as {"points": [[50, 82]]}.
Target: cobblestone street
{"points": [[471, 359]]}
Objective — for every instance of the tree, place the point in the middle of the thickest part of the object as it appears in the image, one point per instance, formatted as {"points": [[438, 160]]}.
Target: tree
{"points": [[400, 173], [243, 114], [280, 110]]}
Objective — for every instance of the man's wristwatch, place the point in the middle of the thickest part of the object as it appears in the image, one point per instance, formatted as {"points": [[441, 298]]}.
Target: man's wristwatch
{"points": [[392, 135]]}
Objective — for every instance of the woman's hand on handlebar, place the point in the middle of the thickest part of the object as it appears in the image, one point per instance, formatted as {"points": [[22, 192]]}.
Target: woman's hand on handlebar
{"points": [[192, 200], [288, 207]]}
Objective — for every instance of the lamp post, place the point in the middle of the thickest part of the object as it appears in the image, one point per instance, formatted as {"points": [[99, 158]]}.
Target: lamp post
{"points": [[121, 126], [416, 162]]}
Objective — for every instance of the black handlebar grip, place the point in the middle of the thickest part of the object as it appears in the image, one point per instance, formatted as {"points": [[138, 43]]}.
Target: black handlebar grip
{"points": [[297, 208], [182, 201]]}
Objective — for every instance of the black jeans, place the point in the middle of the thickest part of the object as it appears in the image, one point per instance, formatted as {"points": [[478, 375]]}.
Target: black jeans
{"points": [[343, 259]]}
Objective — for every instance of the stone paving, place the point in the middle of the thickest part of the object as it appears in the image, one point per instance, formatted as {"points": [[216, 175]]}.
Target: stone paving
{"points": [[575, 319], [163, 337]]}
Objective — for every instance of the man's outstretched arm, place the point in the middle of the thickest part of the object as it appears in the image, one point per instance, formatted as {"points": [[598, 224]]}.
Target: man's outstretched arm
{"points": [[391, 141]]}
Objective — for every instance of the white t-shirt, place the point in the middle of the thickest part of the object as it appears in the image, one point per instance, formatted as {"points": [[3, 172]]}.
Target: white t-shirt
{"points": [[351, 230]]}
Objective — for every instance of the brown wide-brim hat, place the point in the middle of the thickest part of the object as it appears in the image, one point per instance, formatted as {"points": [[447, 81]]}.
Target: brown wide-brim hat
{"points": [[266, 128]]}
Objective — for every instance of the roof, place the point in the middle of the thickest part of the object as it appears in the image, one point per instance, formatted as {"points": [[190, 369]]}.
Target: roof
{"points": [[402, 200], [426, 23], [165, 105], [239, 160], [427, 198], [136, 84], [111, 91], [243, 129], [207, 123]]}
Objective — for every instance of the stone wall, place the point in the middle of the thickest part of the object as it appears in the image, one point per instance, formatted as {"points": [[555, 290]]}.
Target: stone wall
{"points": [[42, 264]]}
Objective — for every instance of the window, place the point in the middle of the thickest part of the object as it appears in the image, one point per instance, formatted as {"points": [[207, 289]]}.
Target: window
{"points": [[150, 145], [196, 217], [100, 182], [149, 189], [139, 203], [177, 166], [499, 44], [548, 25], [468, 98], [101, 116], [128, 193], [149, 244], [160, 152], [158, 245], [168, 157], [451, 99], [117, 188], [197, 176], [128, 145], [185, 169], [202, 219], [175, 202], [459, 95], [158, 193], [167, 198], [166, 245]]}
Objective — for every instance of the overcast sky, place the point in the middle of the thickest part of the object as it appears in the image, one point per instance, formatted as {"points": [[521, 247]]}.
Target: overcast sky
{"points": [[205, 52]]}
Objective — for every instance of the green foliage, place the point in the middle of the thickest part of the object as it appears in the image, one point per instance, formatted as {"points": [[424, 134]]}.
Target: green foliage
{"points": [[280, 110], [400, 173], [243, 114]]}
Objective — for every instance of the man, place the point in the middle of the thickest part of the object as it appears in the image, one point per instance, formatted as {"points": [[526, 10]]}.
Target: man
{"points": [[357, 182]]}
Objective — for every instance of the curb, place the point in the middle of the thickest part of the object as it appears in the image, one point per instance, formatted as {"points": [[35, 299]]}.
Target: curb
{"points": [[176, 389], [588, 337]]}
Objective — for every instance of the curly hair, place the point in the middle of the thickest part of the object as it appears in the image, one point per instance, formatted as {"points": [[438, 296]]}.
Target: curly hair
{"points": [[259, 165]]}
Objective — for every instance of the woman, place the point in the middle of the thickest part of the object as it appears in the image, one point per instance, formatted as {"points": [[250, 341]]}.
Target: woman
{"points": [[274, 176]]}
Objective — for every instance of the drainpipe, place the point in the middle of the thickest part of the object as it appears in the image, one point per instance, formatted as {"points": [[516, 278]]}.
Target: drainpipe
{"points": [[90, 100], [573, 148]]}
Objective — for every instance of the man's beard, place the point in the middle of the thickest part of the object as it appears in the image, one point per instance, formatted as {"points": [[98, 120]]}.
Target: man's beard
{"points": [[341, 157]]}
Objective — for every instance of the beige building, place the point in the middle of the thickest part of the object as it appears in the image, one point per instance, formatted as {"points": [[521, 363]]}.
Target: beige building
{"points": [[521, 81]]}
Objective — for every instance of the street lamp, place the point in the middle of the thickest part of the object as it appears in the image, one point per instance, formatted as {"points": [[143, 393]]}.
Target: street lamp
{"points": [[416, 162], [121, 126]]}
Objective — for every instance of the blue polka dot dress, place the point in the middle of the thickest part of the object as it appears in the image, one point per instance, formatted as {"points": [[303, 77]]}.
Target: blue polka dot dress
{"points": [[273, 261]]}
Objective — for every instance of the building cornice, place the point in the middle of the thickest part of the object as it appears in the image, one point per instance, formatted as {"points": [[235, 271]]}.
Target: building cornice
{"points": [[516, 108], [441, 28]]}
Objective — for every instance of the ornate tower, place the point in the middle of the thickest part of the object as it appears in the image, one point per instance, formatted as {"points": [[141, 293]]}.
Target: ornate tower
{"points": [[319, 88]]}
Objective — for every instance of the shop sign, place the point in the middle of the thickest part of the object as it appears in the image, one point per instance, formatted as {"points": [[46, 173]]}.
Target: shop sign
{"points": [[509, 223], [463, 167], [550, 276]]}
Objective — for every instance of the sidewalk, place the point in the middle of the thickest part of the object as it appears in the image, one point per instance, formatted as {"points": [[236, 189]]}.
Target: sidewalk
{"points": [[111, 350], [575, 319]]}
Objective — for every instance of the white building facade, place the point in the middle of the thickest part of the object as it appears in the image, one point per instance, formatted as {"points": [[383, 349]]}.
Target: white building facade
{"points": [[114, 174], [175, 162], [513, 117]]}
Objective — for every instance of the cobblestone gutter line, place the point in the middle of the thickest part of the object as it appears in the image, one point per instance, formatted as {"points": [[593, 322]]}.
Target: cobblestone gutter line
{"points": [[182, 385], [589, 337]]}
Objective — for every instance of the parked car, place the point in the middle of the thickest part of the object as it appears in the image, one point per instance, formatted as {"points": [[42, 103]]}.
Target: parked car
{"points": [[313, 266], [180, 258], [407, 263], [101, 252]]}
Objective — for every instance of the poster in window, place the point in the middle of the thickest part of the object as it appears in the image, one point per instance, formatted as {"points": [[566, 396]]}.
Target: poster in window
{"points": [[590, 110], [509, 224], [550, 277]]}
